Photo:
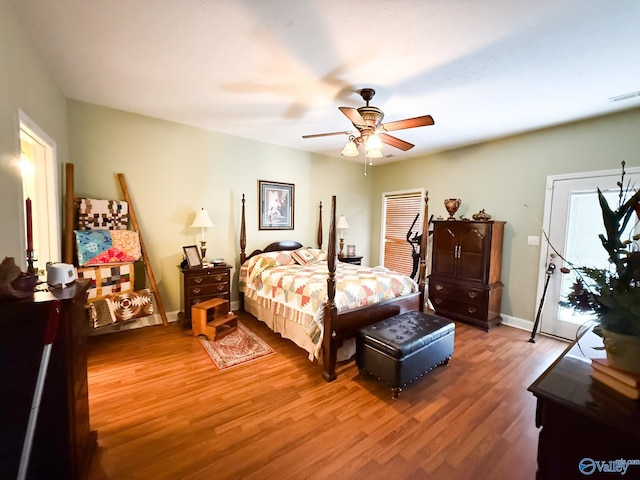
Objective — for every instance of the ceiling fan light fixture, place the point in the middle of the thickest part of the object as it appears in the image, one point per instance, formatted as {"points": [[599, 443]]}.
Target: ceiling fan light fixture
{"points": [[374, 153], [350, 149], [373, 143]]}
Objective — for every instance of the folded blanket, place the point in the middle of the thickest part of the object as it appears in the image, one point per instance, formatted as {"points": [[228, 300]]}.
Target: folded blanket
{"points": [[120, 307], [107, 246], [102, 214], [109, 279]]}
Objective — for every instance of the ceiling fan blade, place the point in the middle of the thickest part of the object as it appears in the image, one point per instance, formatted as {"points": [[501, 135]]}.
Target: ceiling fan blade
{"points": [[353, 115], [316, 135], [395, 142], [423, 121]]}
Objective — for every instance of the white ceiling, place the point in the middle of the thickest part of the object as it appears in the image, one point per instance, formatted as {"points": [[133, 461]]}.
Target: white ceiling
{"points": [[274, 70]]}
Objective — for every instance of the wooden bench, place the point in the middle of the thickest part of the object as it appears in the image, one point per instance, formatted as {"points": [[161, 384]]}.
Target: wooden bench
{"points": [[213, 319]]}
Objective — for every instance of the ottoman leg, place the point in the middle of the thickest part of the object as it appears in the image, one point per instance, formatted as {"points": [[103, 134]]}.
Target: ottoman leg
{"points": [[395, 392]]}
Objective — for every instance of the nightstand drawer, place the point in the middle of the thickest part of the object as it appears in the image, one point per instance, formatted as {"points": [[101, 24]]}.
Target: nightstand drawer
{"points": [[208, 289], [207, 278]]}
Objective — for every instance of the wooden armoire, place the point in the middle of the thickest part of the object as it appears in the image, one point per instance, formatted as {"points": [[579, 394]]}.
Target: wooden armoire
{"points": [[465, 272]]}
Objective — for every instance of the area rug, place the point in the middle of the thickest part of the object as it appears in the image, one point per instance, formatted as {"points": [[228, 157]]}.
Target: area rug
{"points": [[235, 348]]}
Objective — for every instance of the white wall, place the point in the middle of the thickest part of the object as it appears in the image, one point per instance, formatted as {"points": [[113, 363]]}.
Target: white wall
{"points": [[505, 175]]}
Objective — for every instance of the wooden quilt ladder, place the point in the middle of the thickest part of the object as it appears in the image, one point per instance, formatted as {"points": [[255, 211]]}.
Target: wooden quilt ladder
{"points": [[69, 225]]}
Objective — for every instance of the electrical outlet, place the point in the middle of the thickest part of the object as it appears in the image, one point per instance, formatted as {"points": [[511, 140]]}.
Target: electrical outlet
{"points": [[533, 241]]}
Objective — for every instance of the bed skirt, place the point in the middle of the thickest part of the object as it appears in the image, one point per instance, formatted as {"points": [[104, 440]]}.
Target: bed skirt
{"points": [[295, 332]]}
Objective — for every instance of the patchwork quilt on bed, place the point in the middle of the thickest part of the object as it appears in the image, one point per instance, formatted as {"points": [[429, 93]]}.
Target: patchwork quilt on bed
{"points": [[102, 214], [299, 292]]}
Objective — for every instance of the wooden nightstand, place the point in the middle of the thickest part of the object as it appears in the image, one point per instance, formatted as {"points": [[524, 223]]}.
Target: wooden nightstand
{"points": [[200, 284], [352, 260]]}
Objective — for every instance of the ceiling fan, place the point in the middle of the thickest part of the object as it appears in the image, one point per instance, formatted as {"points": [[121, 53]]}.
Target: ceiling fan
{"points": [[367, 120]]}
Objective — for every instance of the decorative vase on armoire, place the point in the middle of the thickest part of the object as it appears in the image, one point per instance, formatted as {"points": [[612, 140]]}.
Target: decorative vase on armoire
{"points": [[452, 205], [465, 273]]}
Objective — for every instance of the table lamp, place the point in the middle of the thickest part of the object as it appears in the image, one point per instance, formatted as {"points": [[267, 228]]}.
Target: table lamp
{"points": [[342, 226], [202, 221]]}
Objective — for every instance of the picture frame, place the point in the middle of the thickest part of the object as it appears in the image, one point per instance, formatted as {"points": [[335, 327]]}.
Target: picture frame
{"points": [[193, 256], [351, 250], [275, 205]]}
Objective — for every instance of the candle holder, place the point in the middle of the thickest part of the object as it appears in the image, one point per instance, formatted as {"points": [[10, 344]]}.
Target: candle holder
{"points": [[30, 260]]}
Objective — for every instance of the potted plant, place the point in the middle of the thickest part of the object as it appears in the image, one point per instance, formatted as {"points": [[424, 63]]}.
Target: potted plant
{"points": [[613, 293]]}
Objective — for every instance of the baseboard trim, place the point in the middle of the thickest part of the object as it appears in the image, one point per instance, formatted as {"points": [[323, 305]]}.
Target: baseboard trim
{"points": [[517, 322]]}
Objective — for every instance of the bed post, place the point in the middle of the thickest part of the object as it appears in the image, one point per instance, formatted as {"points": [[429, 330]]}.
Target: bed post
{"points": [[423, 251], [319, 239], [243, 236], [329, 344]]}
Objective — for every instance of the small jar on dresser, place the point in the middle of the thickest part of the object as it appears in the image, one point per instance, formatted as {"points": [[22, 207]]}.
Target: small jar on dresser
{"points": [[203, 283]]}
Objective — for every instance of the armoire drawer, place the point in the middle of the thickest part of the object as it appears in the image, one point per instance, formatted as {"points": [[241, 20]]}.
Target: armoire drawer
{"points": [[461, 292]]}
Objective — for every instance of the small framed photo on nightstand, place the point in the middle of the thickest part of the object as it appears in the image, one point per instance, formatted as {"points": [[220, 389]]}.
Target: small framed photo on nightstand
{"points": [[351, 250], [193, 256]]}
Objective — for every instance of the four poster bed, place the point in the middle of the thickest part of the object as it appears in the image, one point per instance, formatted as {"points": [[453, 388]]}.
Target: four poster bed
{"points": [[311, 298]]}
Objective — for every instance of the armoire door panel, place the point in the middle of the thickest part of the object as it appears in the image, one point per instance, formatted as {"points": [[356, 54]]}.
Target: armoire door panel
{"points": [[474, 238], [472, 267]]}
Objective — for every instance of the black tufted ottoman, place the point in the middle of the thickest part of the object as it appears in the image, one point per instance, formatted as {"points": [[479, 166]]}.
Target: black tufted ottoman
{"points": [[401, 349]]}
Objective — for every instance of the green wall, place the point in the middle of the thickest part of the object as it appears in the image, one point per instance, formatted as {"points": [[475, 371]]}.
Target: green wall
{"points": [[25, 84], [173, 170], [502, 177]]}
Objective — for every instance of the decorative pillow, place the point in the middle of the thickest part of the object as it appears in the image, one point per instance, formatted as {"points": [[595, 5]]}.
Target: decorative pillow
{"points": [[107, 246], [303, 256], [102, 214], [318, 253]]}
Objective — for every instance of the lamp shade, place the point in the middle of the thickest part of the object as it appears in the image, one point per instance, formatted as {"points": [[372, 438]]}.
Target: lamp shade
{"points": [[202, 220], [342, 223], [350, 149]]}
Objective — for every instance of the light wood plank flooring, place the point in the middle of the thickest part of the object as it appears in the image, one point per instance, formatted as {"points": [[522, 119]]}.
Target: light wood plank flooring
{"points": [[163, 411]]}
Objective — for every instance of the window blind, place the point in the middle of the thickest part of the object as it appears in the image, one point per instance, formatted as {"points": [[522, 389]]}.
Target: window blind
{"points": [[400, 211]]}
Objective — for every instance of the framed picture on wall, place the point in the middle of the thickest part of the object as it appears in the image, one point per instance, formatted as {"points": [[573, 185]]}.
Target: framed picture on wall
{"points": [[275, 205]]}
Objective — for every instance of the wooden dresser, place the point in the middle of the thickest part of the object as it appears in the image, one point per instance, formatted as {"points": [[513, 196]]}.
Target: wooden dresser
{"points": [[63, 442], [200, 284], [586, 426], [465, 273]]}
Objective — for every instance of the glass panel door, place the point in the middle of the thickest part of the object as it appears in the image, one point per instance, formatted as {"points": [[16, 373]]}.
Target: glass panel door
{"points": [[575, 221]]}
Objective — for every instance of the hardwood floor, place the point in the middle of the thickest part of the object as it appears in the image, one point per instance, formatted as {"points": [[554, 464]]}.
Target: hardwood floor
{"points": [[163, 411]]}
